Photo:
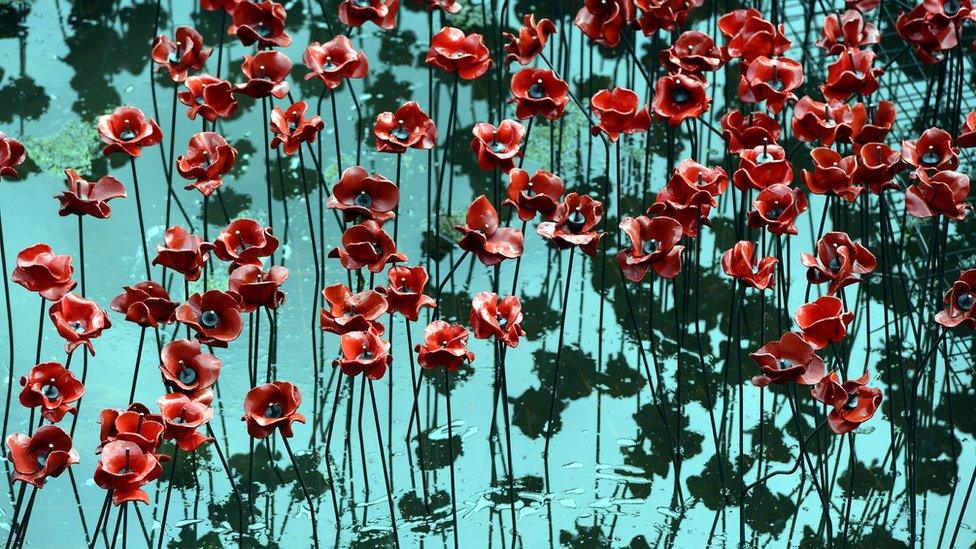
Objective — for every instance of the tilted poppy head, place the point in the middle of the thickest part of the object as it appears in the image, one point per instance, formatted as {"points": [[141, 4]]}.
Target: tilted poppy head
{"points": [[40, 270], [182, 416], [960, 301], [776, 208], [208, 96], [531, 39], [186, 368], [933, 151], [78, 321], [747, 131], [127, 130], [846, 30], [362, 196], [663, 15], [261, 23], [750, 36], [181, 56], [46, 453], [617, 112], [256, 288], [348, 312], [687, 203], [214, 315], [941, 194], [540, 193], [405, 292], [366, 244], [447, 6], [743, 264], [382, 13], [291, 128], [453, 51], [852, 402], [53, 388], [208, 157], [838, 261], [539, 92], [364, 353], [693, 52], [852, 73], [183, 252], [761, 167], [445, 345], [929, 35], [494, 317], [678, 97], [823, 321], [862, 6], [967, 135], [124, 468], [497, 148], [790, 359], [334, 61], [482, 234], [12, 154], [407, 128], [266, 72], [771, 80], [832, 174], [147, 304], [244, 242], [603, 20], [826, 122], [695, 176], [877, 166], [83, 197], [134, 424], [574, 224], [653, 245], [878, 122]]}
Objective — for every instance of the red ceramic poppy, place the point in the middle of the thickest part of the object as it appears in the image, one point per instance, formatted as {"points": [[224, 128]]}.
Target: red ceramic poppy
{"points": [[78, 321], [878, 122], [791, 359], [933, 151], [364, 353], [45, 454], [445, 346], [747, 131], [124, 468], [618, 113], [771, 80], [877, 166], [272, 406], [89, 197], [266, 73], [678, 97], [39, 270], [846, 30], [186, 368], [823, 321], [256, 288], [261, 23], [538, 92], [852, 73], [743, 264], [53, 388], [135, 425], [12, 154], [862, 6], [941, 194], [183, 252], [497, 148], [530, 41], [954, 11], [832, 174], [539, 194], [126, 130], [215, 5], [409, 127], [693, 52], [482, 234], [208, 156], [663, 15], [604, 20], [776, 208], [653, 245], [348, 312], [182, 56], [147, 304], [182, 416], [334, 61], [291, 128], [838, 261], [852, 402], [367, 245], [382, 13], [761, 167], [209, 97], [961, 301], [686, 203], [360, 196], [215, 316], [695, 176], [574, 224], [453, 51], [967, 135], [447, 6], [929, 35], [826, 122], [501, 318], [750, 36], [405, 293], [244, 242]]}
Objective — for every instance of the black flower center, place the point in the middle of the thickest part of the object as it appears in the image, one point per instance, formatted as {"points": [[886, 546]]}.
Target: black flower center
{"points": [[680, 95], [951, 7], [834, 264], [273, 410], [931, 158], [187, 375], [774, 213], [263, 30], [363, 200], [784, 364], [776, 84], [209, 319], [536, 91], [42, 459], [650, 246], [851, 402], [496, 146], [127, 134], [78, 326], [965, 301], [575, 221], [400, 133], [50, 391]]}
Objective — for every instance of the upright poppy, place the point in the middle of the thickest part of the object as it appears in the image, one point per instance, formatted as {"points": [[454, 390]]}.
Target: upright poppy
{"points": [[692, 175], [208, 157], [846, 30], [53, 388], [790, 359], [941, 194], [186, 368], [540, 193], [367, 245], [771, 80], [261, 23], [603, 21], [407, 128], [266, 73], [134, 424], [183, 252], [750, 36], [291, 128], [747, 131], [852, 402], [687, 204], [363, 353], [878, 121], [83, 197], [877, 166], [405, 292], [838, 261], [663, 15], [826, 122], [933, 151], [45, 454], [539, 92], [40, 270], [181, 56], [832, 174], [531, 39], [574, 224], [146, 304], [823, 321], [930, 36], [124, 468], [127, 130], [743, 264], [208, 96], [497, 148], [214, 315], [182, 416], [483, 235], [678, 97], [334, 61], [256, 288], [495, 317], [12, 154], [761, 167], [272, 406], [852, 73], [693, 52], [776, 207], [463, 54], [382, 13], [617, 112], [653, 245], [245, 242], [348, 312], [360, 196], [961, 301], [78, 321], [445, 345]]}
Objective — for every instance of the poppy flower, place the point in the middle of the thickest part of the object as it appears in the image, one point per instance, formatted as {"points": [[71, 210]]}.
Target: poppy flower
{"points": [[961, 301], [359, 195], [761, 167], [186, 368], [405, 292], [877, 166], [453, 51], [941, 194], [182, 416], [678, 97], [574, 224], [693, 52], [35, 458], [852, 73], [185, 54], [408, 128], [967, 134], [447, 6], [183, 252], [348, 312], [750, 36], [39, 270], [126, 130], [742, 263], [496, 317], [687, 204], [445, 345], [256, 288], [124, 468], [791, 359], [261, 23], [210, 97], [539, 92], [742, 131], [826, 122], [266, 72], [89, 197], [244, 242], [653, 245], [932, 151], [367, 245], [604, 20], [877, 124], [531, 39], [382, 13], [862, 6], [618, 113], [272, 406], [135, 424], [846, 30], [695, 176], [929, 35], [364, 353], [497, 148], [208, 156], [823, 321], [776, 207], [852, 402], [334, 61], [78, 321], [838, 261], [291, 128], [663, 15], [53, 388], [215, 316], [771, 80], [482, 234], [215, 5], [539, 194], [832, 174], [12, 154], [147, 304]]}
